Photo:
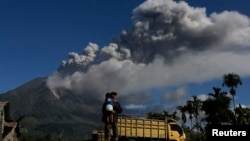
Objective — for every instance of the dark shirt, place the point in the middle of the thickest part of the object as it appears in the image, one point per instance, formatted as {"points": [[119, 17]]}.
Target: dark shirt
{"points": [[118, 110]]}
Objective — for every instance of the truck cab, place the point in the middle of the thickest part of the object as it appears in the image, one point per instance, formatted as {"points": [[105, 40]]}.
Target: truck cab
{"points": [[176, 133]]}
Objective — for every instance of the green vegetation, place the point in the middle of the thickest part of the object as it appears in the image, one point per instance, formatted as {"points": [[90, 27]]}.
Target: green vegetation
{"points": [[215, 110]]}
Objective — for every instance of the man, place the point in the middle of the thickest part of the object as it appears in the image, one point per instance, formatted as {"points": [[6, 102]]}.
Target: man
{"points": [[110, 127]]}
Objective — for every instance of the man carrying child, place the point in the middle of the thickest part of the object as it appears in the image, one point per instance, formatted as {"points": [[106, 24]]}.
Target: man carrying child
{"points": [[110, 116]]}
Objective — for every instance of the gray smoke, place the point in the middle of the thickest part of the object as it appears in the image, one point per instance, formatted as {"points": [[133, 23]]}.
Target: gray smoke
{"points": [[167, 28], [170, 44]]}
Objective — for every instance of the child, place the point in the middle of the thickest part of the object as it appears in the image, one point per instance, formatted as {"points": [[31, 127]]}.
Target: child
{"points": [[109, 109]]}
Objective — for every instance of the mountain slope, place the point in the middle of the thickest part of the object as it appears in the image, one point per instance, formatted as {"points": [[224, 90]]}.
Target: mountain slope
{"points": [[45, 113]]}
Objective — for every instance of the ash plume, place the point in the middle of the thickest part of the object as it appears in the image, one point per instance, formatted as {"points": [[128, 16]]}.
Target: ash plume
{"points": [[170, 44]]}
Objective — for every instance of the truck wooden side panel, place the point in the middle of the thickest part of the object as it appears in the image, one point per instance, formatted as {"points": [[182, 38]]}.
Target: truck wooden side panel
{"points": [[98, 135], [144, 128]]}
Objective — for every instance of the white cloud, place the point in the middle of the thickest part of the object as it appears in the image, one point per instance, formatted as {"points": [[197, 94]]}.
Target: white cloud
{"points": [[133, 106], [174, 96], [202, 97], [170, 44]]}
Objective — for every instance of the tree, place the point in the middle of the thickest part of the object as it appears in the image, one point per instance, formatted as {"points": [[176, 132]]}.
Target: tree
{"points": [[196, 105], [243, 115], [183, 110], [217, 108], [193, 108], [232, 80]]}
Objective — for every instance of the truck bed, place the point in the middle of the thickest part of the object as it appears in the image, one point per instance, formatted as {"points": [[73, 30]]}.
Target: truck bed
{"points": [[144, 128]]}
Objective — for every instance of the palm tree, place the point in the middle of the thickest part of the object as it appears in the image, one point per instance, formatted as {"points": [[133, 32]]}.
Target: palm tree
{"points": [[192, 107], [183, 110], [190, 111], [232, 80], [196, 104], [217, 108], [217, 92], [197, 107]]}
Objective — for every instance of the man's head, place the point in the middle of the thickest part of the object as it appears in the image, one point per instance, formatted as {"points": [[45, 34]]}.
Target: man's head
{"points": [[113, 95]]}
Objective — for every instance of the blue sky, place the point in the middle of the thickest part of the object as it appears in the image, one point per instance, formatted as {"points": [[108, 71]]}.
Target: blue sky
{"points": [[36, 36]]}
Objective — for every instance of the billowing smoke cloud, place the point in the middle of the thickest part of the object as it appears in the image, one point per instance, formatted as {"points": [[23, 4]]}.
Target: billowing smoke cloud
{"points": [[167, 28], [78, 62], [170, 44]]}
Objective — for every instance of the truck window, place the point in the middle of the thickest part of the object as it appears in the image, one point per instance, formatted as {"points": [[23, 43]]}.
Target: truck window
{"points": [[175, 127]]}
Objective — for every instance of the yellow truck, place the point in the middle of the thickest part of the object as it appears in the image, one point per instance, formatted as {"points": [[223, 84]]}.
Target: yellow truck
{"points": [[142, 129]]}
